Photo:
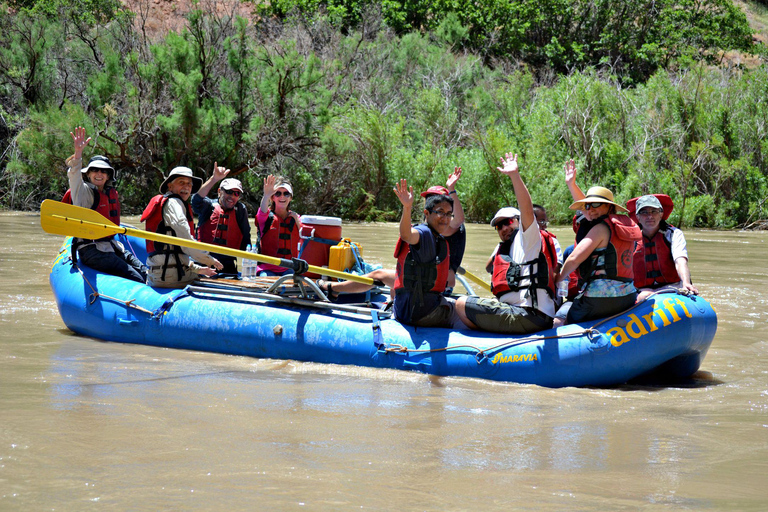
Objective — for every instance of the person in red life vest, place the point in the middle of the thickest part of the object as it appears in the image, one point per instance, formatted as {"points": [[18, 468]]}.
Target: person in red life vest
{"points": [[522, 273], [457, 233], [456, 239], [605, 242], [172, 266], [661, 258], [97, 192], [278, 227], [223, 221], [423, 259]]}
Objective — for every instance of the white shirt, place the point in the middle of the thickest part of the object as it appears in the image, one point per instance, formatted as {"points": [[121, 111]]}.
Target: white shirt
{"points": [[526, 247]]}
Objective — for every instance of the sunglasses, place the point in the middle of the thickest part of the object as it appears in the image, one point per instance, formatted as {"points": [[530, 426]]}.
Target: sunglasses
{"points": [[235, 193], [99, 169], [281, 194], [588, 206], [505, 222], [647, 212]]}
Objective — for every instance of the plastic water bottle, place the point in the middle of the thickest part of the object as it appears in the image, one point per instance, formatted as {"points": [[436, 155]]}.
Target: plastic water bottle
{"points": [[562, 288], [248, 268]]}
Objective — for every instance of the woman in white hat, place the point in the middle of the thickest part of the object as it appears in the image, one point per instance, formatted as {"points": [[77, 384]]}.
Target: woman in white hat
{"points": [[173, 266], [605, 242], [93, 187], [278, 227]]}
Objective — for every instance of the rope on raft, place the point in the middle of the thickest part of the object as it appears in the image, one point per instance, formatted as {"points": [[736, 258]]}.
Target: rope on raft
{"points": [[96, 295], [481, 354]]}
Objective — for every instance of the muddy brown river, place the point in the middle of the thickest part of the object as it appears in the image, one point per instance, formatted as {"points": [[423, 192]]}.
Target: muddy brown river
{"points": [[90, 425]]}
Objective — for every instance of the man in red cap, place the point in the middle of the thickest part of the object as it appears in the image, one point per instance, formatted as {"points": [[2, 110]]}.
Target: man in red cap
{"points": [[223, 221], [660, 260]]}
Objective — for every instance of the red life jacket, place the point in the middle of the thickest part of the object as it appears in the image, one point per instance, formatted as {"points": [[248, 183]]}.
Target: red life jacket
{"points": [[280, 239], [652, 263], [422, 278], [153, 217], [617, 256], [221, 228], [506, 276], [107, 203]]}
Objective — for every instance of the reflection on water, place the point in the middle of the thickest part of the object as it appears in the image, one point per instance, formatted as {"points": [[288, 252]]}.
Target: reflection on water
{"points": [[89, 424]]}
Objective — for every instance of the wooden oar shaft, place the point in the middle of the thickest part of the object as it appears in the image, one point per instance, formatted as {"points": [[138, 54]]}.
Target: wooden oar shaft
{"points": [[65, 219]]}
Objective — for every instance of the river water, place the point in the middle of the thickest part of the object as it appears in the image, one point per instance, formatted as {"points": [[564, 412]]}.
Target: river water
{"points": [[89, 425]]}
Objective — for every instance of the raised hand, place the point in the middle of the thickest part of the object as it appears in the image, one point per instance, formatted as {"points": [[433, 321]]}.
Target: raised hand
{"points": [[219, 173], [570, 172], [453, 179], [270, 183], [78, 137], [404, 193], [509, 164]]}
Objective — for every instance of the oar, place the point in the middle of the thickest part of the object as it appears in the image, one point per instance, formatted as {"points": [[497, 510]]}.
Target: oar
{"points": [[472, 277], [69, 220]]}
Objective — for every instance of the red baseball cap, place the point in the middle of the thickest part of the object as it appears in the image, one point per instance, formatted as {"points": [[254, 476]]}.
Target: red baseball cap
{"points": [[437, 190]]}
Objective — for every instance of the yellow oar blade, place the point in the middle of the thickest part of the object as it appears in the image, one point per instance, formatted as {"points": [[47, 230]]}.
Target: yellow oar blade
{"points": [[69, 220], [472, 277]]}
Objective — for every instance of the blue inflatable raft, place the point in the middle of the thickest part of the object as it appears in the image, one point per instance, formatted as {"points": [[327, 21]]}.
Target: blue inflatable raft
{"points": [[667, 335]]}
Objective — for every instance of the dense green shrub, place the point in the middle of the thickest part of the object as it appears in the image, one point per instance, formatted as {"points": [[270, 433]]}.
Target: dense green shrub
{"points": [[346, 115]]}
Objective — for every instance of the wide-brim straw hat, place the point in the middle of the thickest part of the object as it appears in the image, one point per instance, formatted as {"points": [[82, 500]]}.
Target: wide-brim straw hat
{"points": [[178, 172], [664, 200], [597, 195]]}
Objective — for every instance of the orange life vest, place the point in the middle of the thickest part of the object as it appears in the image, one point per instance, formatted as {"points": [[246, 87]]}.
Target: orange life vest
{"points": [[107, 203], [153, 217], [221, 228], [280, 238], [422, 278], [506, 276], [652, 263], [617, 255]]}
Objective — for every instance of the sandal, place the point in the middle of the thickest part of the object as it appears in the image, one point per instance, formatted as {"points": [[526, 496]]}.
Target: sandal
{"points": [[325, 287]]}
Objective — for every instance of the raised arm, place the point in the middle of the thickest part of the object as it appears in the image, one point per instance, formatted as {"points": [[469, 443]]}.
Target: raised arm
{"points": [[524, 202], [219, 173], [270, 183], [405, 195], [458, 210], [570, 181]]}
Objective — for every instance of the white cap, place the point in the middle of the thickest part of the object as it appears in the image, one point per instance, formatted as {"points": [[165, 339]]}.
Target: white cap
{"points": [[232, 184], [505, 213]]}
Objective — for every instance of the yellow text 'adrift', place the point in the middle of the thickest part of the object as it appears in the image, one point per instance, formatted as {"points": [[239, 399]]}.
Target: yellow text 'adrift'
{"points": [[498, 358], [667, 314]]}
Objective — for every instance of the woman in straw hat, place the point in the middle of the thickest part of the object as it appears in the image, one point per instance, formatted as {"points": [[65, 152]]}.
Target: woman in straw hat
{"points": [[605, 242]]}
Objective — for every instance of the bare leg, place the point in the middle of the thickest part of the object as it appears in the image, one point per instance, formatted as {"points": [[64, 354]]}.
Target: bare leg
{"points": [[461, 311], [386, 276]]}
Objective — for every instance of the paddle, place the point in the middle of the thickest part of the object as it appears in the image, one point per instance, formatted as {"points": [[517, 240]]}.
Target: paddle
{"points": [[69, 220], [472, 277]]}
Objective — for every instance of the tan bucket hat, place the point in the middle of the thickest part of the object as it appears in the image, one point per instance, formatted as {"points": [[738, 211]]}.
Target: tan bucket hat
{"points": [[597, 195]]}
